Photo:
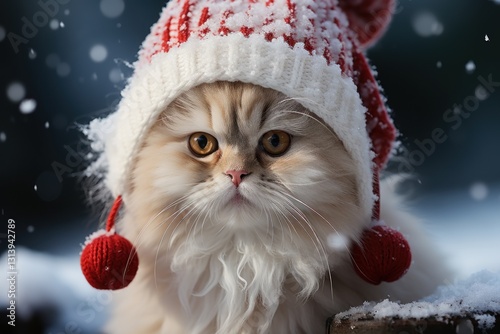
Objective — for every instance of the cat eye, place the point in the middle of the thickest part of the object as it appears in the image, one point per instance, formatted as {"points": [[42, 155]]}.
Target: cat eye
{"points": [[202, 144], [275, 142]]}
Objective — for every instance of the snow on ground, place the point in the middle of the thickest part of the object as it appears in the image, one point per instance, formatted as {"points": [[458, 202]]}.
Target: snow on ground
{"points": [[54, 284], [478, 294], [464, 224]]}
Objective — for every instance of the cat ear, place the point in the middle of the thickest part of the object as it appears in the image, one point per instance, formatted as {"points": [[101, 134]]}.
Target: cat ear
{"points": [[368, 18], [108, 260]]}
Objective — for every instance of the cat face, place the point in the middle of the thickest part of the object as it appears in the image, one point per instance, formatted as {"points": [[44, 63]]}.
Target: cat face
{"points": [[236, 157]]}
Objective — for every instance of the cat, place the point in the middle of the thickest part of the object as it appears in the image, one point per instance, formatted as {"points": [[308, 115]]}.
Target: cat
{"points": [[243, 205]]}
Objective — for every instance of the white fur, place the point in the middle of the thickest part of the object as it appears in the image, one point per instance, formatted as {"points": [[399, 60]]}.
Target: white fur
{"points": [[209, 265], [149, 304]]}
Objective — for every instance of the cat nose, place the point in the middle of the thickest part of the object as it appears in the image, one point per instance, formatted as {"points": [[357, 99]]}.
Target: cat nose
{"points": [[237, 176]]}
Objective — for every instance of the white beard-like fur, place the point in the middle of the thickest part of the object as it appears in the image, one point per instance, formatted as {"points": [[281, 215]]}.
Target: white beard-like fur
{"points": [[268, 265]]}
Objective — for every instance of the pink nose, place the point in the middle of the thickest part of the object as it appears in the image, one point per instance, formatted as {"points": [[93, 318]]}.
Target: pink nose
{"points": [[237, 176]]}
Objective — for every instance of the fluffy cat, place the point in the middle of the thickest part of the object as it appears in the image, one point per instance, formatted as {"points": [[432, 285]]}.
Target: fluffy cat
{"points": [[243, 206]]}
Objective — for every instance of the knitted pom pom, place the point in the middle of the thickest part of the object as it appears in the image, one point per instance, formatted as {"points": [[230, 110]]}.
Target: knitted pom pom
{"points": [[109, 261], [368, 18], [382, 255]]}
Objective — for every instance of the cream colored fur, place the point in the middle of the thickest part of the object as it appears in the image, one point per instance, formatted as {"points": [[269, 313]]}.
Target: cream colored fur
{"points": [[209, 264]]}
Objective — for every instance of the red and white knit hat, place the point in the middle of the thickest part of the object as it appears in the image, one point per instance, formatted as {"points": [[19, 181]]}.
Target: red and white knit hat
{"points": [[307, 49]]}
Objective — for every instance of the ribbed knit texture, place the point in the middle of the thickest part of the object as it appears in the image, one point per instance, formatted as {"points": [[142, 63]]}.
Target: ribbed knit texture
{"points": [[382, 255], [303, 48], [309, 50], [109, 261]]}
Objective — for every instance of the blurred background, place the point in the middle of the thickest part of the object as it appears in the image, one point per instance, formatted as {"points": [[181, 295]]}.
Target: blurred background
{"points": [[439, 65]]}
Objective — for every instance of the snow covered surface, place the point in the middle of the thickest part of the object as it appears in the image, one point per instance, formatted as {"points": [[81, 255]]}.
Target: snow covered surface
{"points": [[478, 294], [46, 280], [465, 225], [51, 284]]}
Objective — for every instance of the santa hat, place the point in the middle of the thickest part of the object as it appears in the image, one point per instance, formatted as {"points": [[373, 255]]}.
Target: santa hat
{"points": [[305, 49]]}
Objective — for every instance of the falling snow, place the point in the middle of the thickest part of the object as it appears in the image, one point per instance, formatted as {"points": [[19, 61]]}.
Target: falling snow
{"points": [[112, 8], [16, 92], [338, 242], [478, 191], [115, 75], [470, 67], [27, 106], [32, 54], [98, 53], [61, 24], [486, 38], [426, 24], [63, 69], [54, 24], [481, 93]]}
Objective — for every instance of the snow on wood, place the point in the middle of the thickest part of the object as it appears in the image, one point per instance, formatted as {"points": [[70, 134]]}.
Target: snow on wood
{"points": [[468, 306]]}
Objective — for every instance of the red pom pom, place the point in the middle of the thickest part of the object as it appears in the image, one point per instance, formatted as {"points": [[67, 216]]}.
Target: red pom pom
{"points": [[382, 255], [368, 18], [109, 261]]}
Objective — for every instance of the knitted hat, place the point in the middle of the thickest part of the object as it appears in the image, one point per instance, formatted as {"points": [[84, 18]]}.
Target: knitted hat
{"points": [[306, 49]]}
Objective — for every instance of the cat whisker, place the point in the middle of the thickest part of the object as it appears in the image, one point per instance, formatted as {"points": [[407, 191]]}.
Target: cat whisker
{"points": [[137, 240], [151, 220], [201, 211], [334, 229], [175, 214], [312, 118], [298, 99], [265, 210], [312, 183], [302, 216], [291, 209], [192, 207], [207, 213], [288, 224], [312, 210]]}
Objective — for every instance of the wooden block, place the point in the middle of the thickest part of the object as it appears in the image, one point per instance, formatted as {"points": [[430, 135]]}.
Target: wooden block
{"points": [[366, 323]]}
